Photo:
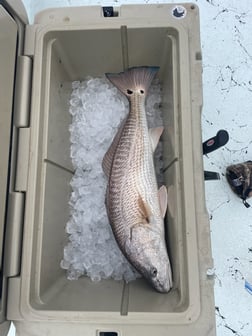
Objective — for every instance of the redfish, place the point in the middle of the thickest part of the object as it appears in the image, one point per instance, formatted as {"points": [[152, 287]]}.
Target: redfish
{"points": [[135, 206]]}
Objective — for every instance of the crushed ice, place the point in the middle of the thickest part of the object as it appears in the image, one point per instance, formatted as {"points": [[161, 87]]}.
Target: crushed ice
{"points": [[97, 108]]}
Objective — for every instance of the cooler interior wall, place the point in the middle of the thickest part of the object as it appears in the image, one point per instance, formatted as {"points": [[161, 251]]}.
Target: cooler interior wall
{"points": [[73, 55]]}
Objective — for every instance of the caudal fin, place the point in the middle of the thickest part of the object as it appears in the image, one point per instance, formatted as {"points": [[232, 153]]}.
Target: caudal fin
{"points": [[134, 80]]}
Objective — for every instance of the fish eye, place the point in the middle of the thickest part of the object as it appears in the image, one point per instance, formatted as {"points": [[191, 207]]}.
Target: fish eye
{"points": [[142, 91], [153, 272], [129, 91]]}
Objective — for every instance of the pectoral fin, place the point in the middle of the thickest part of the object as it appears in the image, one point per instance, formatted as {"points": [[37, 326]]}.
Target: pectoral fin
{"points": [[145, 211], [155, 134], [162, 195]]}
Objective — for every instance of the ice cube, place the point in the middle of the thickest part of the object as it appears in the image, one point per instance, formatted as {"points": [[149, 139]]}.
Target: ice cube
{"points": [[97, 109]]}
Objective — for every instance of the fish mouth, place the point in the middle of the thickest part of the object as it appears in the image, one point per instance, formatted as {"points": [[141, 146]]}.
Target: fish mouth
{"points": [[163, 283], [162, 287]]}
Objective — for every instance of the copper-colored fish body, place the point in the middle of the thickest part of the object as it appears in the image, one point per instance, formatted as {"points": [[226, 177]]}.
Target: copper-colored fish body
{"points": [[134, 204]]}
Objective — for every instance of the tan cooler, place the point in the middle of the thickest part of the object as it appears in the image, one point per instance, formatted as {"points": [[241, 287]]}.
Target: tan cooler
{"points": [[38, 64]]}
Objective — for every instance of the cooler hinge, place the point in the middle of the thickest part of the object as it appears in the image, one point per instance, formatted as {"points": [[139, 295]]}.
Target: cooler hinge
{"points": [[16, 204], [22, 120], [22, 163], [23, 91], [14, 233], [19, 167]]}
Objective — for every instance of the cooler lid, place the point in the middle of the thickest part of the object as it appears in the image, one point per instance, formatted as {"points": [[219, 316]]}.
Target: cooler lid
{"points": [[12, 19], [16, 9]]}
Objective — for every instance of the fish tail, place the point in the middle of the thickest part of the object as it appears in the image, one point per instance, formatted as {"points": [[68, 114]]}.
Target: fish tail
{"points": [[134, 80]]}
